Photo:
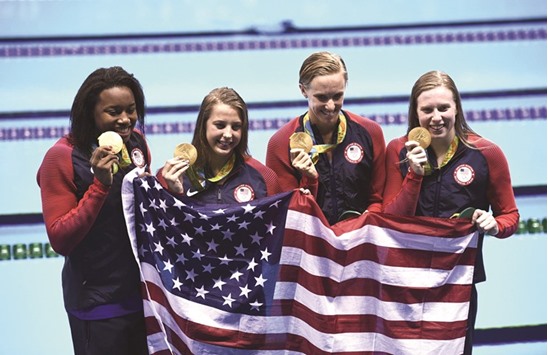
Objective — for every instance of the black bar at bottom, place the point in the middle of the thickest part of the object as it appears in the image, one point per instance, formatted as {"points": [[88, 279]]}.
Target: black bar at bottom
{"points": [[508, 335]]}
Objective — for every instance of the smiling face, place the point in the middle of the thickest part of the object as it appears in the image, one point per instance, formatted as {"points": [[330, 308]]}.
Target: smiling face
{"points": [[436, 111], [116, 111], [325, 95], [223, 132]]}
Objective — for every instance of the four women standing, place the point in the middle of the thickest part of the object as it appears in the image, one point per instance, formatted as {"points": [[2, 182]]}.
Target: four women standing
{"points": [[346, 170]]}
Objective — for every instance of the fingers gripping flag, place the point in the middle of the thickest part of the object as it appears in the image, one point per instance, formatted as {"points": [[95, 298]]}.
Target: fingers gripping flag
{"points": [[272, 277]]}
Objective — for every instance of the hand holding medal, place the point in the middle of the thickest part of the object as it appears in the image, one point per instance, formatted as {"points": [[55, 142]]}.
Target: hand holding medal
{"points": [[299, 143], [420, 135], [186, 151], [418, 139], [112, 139], [184, 156]]}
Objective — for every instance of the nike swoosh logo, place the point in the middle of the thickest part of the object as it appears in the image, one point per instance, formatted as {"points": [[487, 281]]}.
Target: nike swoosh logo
{"points": [[190, 193]]}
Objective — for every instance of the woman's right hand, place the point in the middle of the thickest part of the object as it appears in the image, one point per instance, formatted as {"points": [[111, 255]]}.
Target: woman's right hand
{"points": [[302, 161], [416, 156], [102, 159], [173, 171]]}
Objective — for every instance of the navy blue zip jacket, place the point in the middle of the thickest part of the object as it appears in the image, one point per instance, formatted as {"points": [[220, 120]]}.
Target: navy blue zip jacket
{"points": [[476, 176]]}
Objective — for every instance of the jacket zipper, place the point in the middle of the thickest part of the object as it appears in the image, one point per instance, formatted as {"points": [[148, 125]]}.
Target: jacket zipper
{"points": [[334, 194], [437, 195], [435, 212]]}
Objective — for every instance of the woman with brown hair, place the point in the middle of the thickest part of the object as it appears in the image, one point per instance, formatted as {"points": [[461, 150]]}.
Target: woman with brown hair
{"points": [[224, 171], [458, 170]]}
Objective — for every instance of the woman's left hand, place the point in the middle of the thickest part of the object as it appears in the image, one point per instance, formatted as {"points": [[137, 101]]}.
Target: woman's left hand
{"points": [[485, 222]]}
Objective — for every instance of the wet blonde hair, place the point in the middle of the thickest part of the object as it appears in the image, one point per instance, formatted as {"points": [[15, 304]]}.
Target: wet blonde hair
{"points": [[319, 64]]}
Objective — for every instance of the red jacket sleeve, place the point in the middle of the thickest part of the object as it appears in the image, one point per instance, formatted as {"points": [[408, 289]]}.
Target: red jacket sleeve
{"points": [[378, 174], [499, 190], [401, 195], [161, 179], [67, 220], [277, 159]]}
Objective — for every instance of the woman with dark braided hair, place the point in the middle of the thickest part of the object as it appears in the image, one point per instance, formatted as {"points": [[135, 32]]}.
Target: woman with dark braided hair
{"points": [[458, 170], [80, 182]]}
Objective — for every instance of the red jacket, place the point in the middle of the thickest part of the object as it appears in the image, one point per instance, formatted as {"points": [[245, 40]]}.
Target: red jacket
{"points": [[84, 221], [476, 177]]}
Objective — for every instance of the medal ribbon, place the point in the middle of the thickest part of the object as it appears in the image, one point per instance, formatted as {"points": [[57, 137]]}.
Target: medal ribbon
{"points": [[450, 153], [198, 179], [318, 149], [125, 161]]}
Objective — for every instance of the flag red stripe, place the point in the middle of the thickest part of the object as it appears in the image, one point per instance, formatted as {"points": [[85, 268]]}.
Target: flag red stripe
{"points": [[172, 338], [379, 254], [356, 323], [436, 227], [152, 325], [290, 342], [368, 287]]}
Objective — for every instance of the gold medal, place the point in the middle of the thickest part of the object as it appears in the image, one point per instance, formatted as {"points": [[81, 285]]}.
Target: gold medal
{"points": [[113, 139], [420, 135], [301, 140], [186, 151]]}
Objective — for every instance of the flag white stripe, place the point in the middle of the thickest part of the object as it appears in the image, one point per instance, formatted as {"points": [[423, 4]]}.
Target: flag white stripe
{"points": [[379, 236], [157, 342], [352, 305], [388, 275], [128, 200]]}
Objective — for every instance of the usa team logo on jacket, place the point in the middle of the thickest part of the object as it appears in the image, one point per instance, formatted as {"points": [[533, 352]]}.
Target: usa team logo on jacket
{"points": [[464, 174], [137, 157], [244, 193], [353, 153]]}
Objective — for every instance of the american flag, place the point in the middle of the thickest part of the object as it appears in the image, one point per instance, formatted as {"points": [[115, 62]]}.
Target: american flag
{"points": [[272, 277]]}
